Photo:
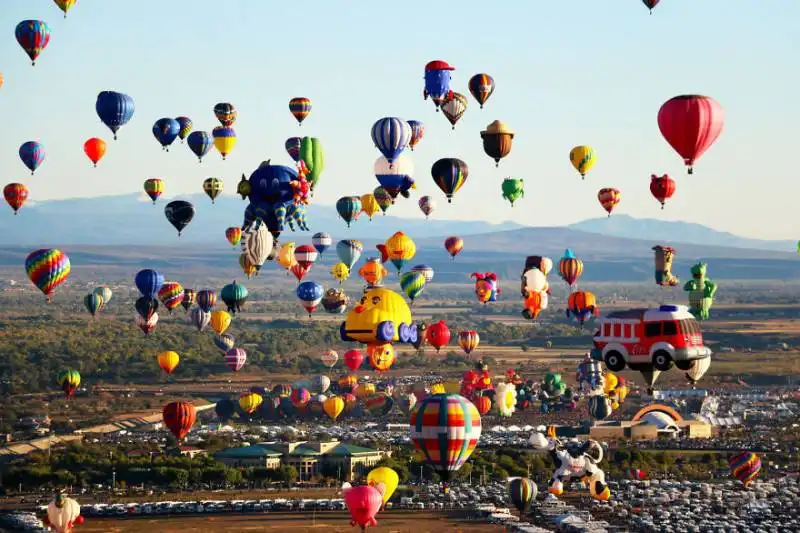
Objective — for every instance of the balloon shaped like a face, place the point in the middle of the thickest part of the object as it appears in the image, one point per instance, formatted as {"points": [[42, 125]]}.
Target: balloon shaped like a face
{"points": [[377, 318], [483, 290], [271, 194]]}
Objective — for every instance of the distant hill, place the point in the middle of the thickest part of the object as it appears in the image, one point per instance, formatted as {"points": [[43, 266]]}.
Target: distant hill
{"points": [[664, 231]]}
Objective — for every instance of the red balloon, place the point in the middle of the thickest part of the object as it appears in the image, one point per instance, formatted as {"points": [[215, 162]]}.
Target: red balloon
{"points": [[15, 195], [438, 335], [80, 520], [662, 188], [95, 149], [179, 417], [691, 123], [353, 359], [363, 502]]}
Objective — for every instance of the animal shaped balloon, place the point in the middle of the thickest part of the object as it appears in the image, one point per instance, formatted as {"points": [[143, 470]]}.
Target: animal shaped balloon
{"points": [[701, 291], [574, 459]]}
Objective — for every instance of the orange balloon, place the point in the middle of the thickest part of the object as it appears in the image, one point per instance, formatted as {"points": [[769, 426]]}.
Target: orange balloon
{"points": [[95, 149]]}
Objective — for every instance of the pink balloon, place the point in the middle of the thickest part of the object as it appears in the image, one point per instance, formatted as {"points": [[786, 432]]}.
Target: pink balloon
{"points": [[363, 502]]}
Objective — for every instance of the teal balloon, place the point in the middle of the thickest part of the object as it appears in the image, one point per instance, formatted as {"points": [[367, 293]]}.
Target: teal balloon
{"points": [[348, 208], [349, 251], [412, 283]]}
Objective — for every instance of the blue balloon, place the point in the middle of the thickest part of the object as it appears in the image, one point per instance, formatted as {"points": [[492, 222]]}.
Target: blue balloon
{"points": [[166, 130], [309, 291], [114, 109], [149, 282], [272, 197], [32, 155], [391, 135], [437, 81], [199, 143]]}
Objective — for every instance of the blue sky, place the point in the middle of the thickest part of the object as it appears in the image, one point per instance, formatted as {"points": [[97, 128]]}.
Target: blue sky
{"points": [[579, 72]]}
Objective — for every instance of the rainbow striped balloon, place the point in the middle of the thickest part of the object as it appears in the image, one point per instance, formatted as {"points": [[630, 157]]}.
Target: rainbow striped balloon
{"points": [[47, 268], [745, 467], [446, 429], [171, 295]]}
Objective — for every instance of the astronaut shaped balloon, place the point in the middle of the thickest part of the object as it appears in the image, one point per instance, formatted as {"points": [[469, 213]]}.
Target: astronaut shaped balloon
{"points": [[574, 459]]}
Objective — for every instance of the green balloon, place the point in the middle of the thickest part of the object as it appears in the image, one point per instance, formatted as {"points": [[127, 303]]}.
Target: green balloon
{"points": [[513, 189], [312, 154]]}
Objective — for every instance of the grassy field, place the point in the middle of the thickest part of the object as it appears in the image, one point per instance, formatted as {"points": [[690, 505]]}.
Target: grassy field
{"points": [[330, 522]]}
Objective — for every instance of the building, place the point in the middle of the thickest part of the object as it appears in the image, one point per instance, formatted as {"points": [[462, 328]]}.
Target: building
{"points": [[333, 458]]}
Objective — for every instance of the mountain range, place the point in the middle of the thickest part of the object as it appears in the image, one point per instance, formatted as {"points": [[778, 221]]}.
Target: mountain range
{"points": [[126, 231]]}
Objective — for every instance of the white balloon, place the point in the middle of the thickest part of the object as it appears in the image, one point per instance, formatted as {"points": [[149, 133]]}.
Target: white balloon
{"points": [[535, 280]]}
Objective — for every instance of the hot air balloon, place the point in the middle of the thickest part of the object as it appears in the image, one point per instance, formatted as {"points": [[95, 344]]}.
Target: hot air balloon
{"points": [[234, 295], [321, 241], [522, 491], [234, 235], [481, 86], [570, 268], [179, 213], [313, 156], [225, 113], [582, 158], [417, 133], [32, 36], [199, 143], [745, 466], [445, 428], [114, 109], [185, 126], [300, 108], [369, 205], [32, 155], [413, 284], [310, 294], [213, 187], [69, 380], [468, 340], [305, 256], [582, 305], [425, 270], [608, 198], [168, 361], [171, 295], [438, 335], [650, 4], [300, 397], [348, 208], [146, 307], [225, 409], [292, 146], [179, 418], [224, 139], [224, 342], [257, 243], [395, 178], [383, 198], [497, 139], [206, 300], [220, 321], [427, 205], [449, 174], [385, 476], [662, 188], [189, 298], [363, 503], [329, 358], [454, 245], [104, 293], [453, 107], [15, 194], [340, 272], [154, 188], [235, 358], [333, 407], [399, 249], [391, 135], [166, 130], [249, 402], [93, 303], [95, 149], [373, 272], [691, 123], [47, 269], [65, 5], [513, 189], [697, 370], [437, 81], [353, 359]]}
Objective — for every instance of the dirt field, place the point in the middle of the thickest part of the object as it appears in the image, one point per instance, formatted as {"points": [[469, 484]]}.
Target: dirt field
{"points": [[333, 522]]}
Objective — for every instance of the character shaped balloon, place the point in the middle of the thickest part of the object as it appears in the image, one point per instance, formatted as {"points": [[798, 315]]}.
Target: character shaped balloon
{"points": [[373, 272], [582, 305], [485, 286], [438, 335], [663, 263], [662, 188], [574, 459], [380, 316], [381, 356], [513, 189], [363, 503], [270, 192], [335, 301], [399, 249], [437, 81], [701, 291], [63, 514], [396, 178], [497, 139]]}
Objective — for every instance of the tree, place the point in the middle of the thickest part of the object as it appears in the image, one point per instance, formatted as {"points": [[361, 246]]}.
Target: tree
{"points": [[287, 474]]}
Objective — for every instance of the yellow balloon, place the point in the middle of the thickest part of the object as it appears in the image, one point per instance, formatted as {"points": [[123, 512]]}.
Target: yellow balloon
{"points": [[378, 305], [247, 267], [399, 249], [286, 255], [611, 382], [622, 393], [250, 401], [438, 388], [369, 205], [387, 476], [582, 158], [224, 145], [220, 320], [365, 390], [333, 407], [340, 272], [168, 361]]}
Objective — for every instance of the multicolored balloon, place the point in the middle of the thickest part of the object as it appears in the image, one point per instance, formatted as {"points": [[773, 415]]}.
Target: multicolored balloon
{"points": [[186, 126], [69, 380], [449, 174], [224, 139], [15, 195], [234, 235], [154, 188], [417, 133], [391, 135], [225, 113], [32, 36], [47, 268], [427, 205], [454, 106], [609, 198], [582, 158], [32, 155], [454, 245], [292, 146], [213, 187], [413, 284], [745, 466], [481, 86], [300, 108], [348, 208]]}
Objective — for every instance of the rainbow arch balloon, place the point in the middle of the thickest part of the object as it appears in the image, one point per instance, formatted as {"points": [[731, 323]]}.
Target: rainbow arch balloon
{"points": [[47, 268]]}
